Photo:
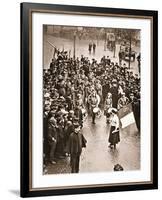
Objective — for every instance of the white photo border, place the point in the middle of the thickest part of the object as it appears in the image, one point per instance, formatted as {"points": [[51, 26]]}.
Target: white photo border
{"points": [[45, 181]]}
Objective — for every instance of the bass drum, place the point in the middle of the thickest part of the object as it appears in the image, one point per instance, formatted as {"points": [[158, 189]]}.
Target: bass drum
{"points": [[96, 110], [83, 111]]}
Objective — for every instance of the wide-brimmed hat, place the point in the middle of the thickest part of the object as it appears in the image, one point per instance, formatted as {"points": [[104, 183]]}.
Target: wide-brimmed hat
{"points": [[71, 112], [118, 167], [76, 122], [114, 81], [52, 120], [53, 111], [123, 93], [47, 95], [112, 110], [47, 108], [64, 112], [76, 125]]}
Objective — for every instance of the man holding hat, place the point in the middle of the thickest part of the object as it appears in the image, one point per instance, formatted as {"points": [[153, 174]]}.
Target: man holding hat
{"points": [[76, 143]]}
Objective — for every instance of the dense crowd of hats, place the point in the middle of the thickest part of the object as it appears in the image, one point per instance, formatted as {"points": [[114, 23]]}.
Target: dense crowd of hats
{"points": [[68, 83]]}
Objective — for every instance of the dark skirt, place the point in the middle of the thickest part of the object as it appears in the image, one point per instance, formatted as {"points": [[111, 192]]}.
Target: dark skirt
{"points": [[114, 138]]}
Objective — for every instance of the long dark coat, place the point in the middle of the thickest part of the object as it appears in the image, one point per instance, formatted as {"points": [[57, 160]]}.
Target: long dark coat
{"points": [[114, 92], [76, 142], [52, 132], [114, 138]]}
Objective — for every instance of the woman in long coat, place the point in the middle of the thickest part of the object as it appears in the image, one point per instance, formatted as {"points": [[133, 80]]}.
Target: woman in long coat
{"points": [[114, 137]]}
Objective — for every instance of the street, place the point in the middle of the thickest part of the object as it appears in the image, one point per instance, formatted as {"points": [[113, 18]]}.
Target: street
{"points": [[97, 156], [82, 49]]}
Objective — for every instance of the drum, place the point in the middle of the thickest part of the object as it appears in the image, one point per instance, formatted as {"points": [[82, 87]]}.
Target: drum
{"points": [[96, 110], [112, 109], [99, 113], [83, 111], [109, 110]]}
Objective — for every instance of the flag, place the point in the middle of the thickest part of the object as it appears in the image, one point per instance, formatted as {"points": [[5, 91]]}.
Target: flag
{"points": [[126, 116]]}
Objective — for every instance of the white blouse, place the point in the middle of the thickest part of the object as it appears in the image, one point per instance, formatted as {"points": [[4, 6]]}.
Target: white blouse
{"points": [[115, 121]]}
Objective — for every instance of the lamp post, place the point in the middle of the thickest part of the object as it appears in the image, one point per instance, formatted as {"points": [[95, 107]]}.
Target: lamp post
{"points": [[54, 49], [105, 38], [114, 45], [114, 49], [74, 44], [130, 48]]}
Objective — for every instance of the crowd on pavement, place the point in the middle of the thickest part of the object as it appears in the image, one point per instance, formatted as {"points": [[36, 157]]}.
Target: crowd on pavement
{"points": [[74, 88]]}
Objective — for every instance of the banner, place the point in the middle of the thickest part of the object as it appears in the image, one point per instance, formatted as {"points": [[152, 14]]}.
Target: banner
{"points": [[126, 116]]}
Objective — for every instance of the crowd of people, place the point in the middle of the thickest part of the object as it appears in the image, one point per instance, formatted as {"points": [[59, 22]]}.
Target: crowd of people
{"points": [[74, 88]]}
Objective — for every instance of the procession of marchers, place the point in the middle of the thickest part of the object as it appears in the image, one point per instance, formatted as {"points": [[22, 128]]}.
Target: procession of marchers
{"points": [[80, 92]]}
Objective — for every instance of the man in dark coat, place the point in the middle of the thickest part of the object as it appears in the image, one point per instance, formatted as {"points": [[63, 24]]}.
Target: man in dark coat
{"points": [[46, 148], [120, 57], [52, 138], [79, 115], [139, 61], [76, 143], [60, 148], [136, 109], [90, 47], [114, 92], [94, 48], [52, 64]]}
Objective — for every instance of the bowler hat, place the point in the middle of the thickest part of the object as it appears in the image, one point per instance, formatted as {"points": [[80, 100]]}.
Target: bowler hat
{"points": [[76, 125]]}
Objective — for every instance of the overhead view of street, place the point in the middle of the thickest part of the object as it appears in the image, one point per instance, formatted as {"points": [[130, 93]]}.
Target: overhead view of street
{"points": [[82, 49], [91, 91]]}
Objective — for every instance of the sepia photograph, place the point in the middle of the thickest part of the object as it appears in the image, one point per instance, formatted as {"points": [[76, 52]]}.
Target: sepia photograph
{"points": [[91, 99]]}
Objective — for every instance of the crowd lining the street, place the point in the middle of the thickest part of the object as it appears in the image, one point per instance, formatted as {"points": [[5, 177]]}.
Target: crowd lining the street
{"points": [[76, 87]]}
